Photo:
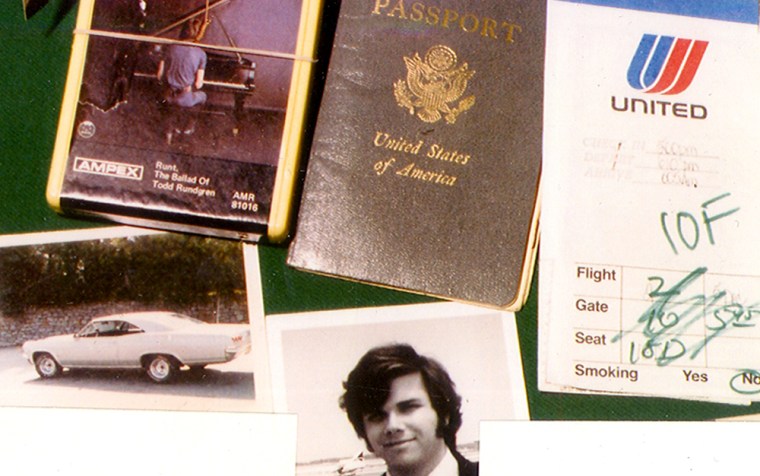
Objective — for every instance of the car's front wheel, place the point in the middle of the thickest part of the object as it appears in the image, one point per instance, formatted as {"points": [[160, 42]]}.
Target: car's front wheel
{"points": [[46, 366], [161, 368]]}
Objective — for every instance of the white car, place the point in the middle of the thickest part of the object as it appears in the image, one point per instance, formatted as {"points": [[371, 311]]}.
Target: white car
{"points": [[159, 342]]}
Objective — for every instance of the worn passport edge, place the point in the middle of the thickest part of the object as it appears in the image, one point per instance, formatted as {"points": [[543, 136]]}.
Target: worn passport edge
{"points": [[295, 120], [529, 264], [279, 220], [526, 275]]}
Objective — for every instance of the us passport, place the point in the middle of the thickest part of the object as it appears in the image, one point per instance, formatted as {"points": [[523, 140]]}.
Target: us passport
{"points": [[425, 166]]}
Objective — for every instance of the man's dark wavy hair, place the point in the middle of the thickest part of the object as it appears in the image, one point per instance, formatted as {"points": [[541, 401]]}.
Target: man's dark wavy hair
{"points": [[368, 388], [191, 30]]}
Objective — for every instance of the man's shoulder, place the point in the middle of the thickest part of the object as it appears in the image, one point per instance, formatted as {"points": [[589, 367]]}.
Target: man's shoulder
{"points": [[201, 53], [193, 49], [197, 50], [466, 467]]}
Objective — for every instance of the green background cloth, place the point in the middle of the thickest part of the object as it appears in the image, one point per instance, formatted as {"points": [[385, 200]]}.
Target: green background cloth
{"points": [[33, 64]]}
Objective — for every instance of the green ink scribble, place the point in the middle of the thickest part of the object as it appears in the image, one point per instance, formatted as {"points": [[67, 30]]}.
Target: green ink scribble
{"points": [[656, 311], [743, 375], [672, 314]]}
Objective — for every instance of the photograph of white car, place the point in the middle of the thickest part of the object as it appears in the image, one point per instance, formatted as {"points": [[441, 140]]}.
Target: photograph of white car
{"points": [[126, 318], [159, 342]]}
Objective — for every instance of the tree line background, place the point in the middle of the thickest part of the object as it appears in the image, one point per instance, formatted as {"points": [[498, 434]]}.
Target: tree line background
{"points": [[165, 270]]}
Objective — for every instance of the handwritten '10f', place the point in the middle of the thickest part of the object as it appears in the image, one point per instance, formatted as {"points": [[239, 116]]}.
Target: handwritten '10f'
{"points": [[686, 226]]}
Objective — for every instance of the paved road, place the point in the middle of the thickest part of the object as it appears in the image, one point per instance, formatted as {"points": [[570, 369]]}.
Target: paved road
{"points": [[222, 387]]}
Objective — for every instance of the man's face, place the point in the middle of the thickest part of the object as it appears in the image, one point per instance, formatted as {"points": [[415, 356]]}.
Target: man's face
{"points": [[403, 431]]}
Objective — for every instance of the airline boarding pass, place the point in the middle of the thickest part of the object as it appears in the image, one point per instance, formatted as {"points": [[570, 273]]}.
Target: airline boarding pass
{"points": [[649, 261]]}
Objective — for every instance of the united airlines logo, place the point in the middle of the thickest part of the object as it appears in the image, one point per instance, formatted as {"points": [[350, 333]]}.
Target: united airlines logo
{"points": [[108, 168], [664, 64]]}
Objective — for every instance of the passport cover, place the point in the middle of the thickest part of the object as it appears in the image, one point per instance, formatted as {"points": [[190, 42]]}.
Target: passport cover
{"points": [[425, 165], [123, 154]]}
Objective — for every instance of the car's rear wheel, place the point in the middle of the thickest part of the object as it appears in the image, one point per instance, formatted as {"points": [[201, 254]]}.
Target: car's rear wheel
{"points": [[161, 368], [46, 366]]}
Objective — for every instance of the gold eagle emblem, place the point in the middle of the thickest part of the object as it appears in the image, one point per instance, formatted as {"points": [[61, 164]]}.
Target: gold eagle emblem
{"points": [[432, 85]]}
